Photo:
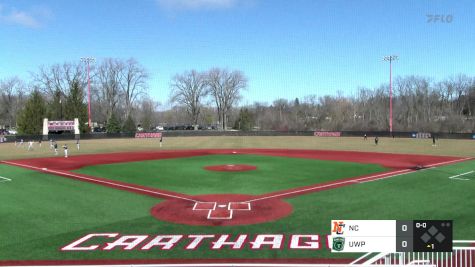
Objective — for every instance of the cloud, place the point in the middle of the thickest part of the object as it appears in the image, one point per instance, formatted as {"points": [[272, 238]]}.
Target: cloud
{"points": [[33, 18], [197, 4]]}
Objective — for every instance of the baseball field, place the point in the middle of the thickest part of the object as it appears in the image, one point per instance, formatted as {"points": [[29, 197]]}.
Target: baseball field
{"points": [[221, 199]]}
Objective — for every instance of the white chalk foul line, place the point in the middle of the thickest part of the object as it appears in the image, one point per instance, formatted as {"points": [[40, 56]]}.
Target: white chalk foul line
{"points": [[349, 181], [5, 179], [462, 174], [98, 181], [361, 180]]}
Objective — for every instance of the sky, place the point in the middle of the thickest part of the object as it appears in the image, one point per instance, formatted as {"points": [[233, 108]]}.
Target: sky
{"points": [[286, 49]]}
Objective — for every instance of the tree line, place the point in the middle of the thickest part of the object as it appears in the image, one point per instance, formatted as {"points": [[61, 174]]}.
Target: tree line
{"points": [[120, 101]]}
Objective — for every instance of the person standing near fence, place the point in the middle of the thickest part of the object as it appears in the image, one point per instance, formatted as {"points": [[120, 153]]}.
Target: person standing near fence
{"points": [[55, 146], [30, 145], [65, 147]]}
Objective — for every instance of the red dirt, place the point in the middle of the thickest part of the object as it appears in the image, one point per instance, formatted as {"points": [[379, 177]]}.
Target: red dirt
{"points": [[231, 168], [186, 212], [396, 161]]}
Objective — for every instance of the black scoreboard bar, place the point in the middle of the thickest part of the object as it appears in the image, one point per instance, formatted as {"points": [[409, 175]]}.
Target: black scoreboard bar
{"points": [[424, 236]]}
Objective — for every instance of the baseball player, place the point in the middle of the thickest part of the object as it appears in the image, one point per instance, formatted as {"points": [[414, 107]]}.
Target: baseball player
{"points": [[77, 143], [55, 147], [30, 145], [65, 147]]}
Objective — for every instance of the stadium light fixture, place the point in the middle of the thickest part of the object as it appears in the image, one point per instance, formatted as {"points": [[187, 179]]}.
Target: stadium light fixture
{"points": [[88, 60], [390, 59]]}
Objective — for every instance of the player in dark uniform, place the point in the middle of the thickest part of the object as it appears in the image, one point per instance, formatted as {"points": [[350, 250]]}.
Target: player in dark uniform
{"points": [[376, 140]]}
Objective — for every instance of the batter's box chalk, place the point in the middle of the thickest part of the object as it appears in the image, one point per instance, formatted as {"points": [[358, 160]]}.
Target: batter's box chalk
{"points": [[239, 206], [204, 206]]}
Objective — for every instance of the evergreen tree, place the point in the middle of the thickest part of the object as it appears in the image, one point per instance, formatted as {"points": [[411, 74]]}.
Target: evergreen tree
{"points": [[129, 125], [113, 124], [245, 120], [54, 107], [75, 106], [31, 118]]}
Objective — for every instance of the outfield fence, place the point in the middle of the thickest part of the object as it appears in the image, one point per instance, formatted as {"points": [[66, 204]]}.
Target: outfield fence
{"points": [[211, 133]]}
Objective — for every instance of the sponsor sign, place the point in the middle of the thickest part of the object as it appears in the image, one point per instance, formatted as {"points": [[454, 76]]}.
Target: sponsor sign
{"points": [[421, 135], [148, 135], [60, 125], [327, 134]]}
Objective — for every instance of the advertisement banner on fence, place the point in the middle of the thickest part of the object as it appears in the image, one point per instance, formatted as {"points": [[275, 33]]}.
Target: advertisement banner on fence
{"points": [[148, 135], [327, 134], [421, 135]]}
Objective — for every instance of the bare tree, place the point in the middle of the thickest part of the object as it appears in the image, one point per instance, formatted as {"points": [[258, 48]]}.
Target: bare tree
{"points": [[133, 83], [188, 89], [59, 77], [225, 87], [108, 76], [12, 99]]}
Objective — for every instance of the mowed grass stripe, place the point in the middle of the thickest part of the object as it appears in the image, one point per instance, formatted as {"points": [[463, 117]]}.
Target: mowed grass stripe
{"points": [[188, 176]]}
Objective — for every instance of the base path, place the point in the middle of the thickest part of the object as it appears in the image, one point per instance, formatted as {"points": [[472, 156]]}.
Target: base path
{"points": [[231, 209]]}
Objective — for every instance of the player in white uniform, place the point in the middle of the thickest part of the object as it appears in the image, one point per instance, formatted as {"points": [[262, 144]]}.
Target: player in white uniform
{"points": [[30, 145], [65, 147]]}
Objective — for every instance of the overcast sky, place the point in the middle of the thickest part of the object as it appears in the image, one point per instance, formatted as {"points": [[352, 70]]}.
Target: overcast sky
{"points": [[287, 49]]}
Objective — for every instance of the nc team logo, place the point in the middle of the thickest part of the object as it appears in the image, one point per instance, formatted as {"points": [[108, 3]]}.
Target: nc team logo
{"points": [[338, 227], [338, 243]]}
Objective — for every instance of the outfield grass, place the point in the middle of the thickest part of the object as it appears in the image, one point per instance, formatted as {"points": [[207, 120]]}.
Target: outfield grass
{"points": [[448, 147], [186, 175]]}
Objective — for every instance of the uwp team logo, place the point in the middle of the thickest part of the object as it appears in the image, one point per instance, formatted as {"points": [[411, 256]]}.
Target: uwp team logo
{"points": [[338, 227]]}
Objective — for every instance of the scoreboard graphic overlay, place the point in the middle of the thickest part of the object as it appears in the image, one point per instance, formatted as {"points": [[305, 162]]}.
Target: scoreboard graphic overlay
{"points": [[391, 236]]}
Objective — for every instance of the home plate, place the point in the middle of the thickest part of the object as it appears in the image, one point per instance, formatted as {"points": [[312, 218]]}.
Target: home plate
{"points": [[222, 206]]}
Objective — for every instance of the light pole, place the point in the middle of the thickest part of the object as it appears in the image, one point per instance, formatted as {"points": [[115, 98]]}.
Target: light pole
{"points": [[390, 59], [88, 60]]}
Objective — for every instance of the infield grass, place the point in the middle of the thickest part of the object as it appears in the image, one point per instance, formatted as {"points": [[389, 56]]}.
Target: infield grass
{"points": [[187, 175]]}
